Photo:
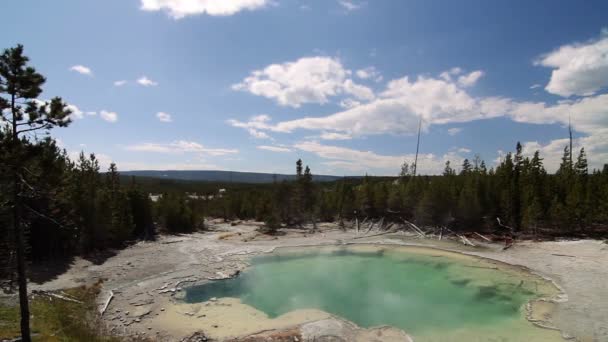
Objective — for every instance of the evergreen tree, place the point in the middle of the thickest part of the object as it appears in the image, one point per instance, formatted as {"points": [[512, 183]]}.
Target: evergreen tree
{"points": [[20, 86]]}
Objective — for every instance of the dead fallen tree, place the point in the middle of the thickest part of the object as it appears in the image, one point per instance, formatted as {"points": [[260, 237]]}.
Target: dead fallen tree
{"points": [[107, 303], [61, 296]]}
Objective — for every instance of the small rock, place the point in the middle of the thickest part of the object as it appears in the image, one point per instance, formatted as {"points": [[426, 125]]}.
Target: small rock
{"points": [[162, 309], [137, 320], [213, 299]]}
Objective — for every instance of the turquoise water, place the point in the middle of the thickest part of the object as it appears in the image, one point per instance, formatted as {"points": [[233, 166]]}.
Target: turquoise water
{"points": [[415, 292]]}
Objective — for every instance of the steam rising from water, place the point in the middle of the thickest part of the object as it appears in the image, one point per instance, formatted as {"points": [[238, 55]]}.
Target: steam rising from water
{"points": [[417, 292]]}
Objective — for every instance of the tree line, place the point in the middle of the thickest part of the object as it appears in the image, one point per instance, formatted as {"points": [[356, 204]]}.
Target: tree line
{"points": [[518, 193]]}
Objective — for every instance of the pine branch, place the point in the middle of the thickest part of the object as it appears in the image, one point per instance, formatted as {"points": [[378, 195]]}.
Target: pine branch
{"points": [[44, 216], [32, 129]]}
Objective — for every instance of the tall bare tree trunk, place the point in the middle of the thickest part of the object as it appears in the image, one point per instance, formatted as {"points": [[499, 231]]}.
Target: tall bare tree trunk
{"points": [[19, 238]]}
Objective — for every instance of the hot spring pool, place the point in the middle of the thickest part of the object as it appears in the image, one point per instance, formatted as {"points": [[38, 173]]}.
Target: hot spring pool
{"points": [[431, 294]]}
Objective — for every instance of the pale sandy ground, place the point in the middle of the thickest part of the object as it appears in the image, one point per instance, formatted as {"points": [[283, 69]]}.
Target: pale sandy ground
{"points": [[147, 277]]}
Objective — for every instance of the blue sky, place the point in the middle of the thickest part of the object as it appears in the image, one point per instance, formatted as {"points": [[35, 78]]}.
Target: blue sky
{"points": [[253, 85]]}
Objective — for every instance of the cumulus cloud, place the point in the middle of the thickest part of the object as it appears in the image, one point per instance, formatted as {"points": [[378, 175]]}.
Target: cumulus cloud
{"points": [[108, 116], [274, 148], [81, 69], [146, 82], [357, 161], [578, 69], [398, 109], [178, 9], [180, 146], [307, 80], [164, 117], [596, 147]]}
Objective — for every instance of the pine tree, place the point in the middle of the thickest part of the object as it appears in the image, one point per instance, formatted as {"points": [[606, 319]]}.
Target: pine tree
{"points": [[20, 86], [448, 170], [466, 167]]}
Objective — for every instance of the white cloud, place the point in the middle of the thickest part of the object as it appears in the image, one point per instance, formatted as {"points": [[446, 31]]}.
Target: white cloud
{"points": [[254, 126], [81, 69], [357, 161], [470, 79], [578, 69], [180, 146], [307, 80], [443, 100], [369, 73], [178, 9], [447, 75], [359, 91], [274, 148], [258, 134], [120, 83], [349, 5], [399, 108], [76, 112], [536, 85], [464, 150], [146, 82], [335, 136], [164, 117], [596, 147], [108, 116], [454, 130]]}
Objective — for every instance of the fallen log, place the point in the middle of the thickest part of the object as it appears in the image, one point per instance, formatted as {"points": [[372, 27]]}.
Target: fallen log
{"points": [[58, 296], [441, 234], [371, 225], [483, 237], [377, 234], [466, 241], [381, 223], [414, 228], [107, 303]]}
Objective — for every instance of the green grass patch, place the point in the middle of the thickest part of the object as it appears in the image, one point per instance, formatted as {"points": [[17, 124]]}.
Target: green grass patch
{"points": [[54, 319]]}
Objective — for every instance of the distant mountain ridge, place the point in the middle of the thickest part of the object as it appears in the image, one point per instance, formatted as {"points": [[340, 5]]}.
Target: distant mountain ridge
{"points": [[223, 176]]}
